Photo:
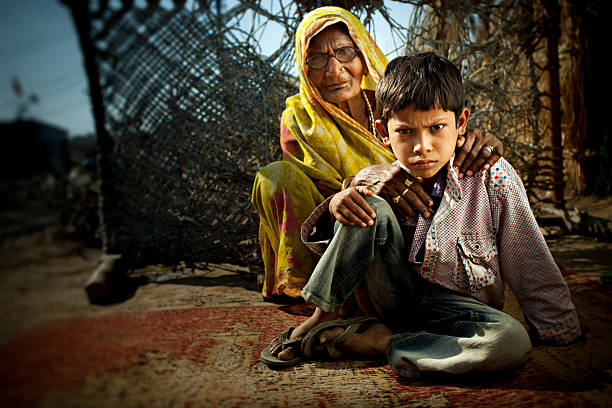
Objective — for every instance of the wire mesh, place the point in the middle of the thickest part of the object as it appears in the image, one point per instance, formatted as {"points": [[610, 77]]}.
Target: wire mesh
{"points": [[193, 116]]}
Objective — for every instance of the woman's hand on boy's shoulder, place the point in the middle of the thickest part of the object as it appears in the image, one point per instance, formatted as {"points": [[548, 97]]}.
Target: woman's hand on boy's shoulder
{"points": [[480, 150], [401, 189], [349, 207]]}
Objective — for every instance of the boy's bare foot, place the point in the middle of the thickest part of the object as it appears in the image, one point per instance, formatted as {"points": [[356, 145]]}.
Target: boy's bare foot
{"points": [[319, 316], [373, 342]]}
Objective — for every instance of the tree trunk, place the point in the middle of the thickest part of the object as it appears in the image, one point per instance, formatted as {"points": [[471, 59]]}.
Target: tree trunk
{"points": [[571, 54], [554, 89], [105, 143]]}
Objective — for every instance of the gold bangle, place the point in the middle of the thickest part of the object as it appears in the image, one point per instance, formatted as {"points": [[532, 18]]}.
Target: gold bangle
{"points": [[346, 182]]}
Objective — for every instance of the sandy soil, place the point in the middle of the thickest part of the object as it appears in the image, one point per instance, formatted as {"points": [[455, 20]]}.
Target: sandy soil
{"points": [[594, 205]]}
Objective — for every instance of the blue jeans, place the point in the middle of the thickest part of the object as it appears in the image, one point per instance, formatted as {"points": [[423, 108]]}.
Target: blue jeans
{"points": [[435, 329]]}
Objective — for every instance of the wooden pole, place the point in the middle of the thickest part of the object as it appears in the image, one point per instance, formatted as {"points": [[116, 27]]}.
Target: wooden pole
{"points": [[552, 51]]}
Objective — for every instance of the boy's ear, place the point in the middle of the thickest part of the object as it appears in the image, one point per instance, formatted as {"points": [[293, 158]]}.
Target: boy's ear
{"points": [[380, 128], [462, 122]]}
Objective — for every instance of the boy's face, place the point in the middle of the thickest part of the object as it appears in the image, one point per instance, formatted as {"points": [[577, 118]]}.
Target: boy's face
{"points": [[424, 141]]}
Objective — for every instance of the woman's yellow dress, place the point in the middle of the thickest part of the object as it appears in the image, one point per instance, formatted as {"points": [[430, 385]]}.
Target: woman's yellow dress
{"points": [[321, 146]]}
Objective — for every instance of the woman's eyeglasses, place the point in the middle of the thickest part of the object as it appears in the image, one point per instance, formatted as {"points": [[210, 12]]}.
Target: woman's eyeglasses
{"points": [[344, 54]]}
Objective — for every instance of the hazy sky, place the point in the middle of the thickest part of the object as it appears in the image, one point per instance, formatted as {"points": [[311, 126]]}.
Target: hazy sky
{"points": [[38, 47], [39, 50]]}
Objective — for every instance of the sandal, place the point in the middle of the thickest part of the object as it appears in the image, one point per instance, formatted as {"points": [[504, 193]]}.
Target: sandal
{"points": [[286, 342], [311, 348]]}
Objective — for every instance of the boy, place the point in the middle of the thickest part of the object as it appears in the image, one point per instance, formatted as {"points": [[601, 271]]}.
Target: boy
{"points": [[436, 288]]}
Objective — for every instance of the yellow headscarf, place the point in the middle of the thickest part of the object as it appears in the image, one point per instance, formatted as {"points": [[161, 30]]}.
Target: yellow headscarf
{"points": [[316, 135]]}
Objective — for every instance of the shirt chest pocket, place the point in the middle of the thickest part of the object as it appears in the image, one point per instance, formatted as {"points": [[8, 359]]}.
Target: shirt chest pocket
{"points": [[477, 257]]}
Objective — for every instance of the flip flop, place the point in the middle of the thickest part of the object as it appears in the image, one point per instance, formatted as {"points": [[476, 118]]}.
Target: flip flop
{"points": [[351, 326], [286, 342]]}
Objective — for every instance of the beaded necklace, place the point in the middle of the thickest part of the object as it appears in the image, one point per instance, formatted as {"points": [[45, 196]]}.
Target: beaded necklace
{"points": [[370, 113]]}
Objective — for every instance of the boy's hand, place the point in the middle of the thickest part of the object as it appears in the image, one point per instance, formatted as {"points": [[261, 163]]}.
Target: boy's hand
{"points": [[479, 150], [401, 189], [350, 208]]}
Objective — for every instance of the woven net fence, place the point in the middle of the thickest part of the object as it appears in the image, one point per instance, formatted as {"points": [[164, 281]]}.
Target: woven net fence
{"points": [[192, 108], [193, 116]]}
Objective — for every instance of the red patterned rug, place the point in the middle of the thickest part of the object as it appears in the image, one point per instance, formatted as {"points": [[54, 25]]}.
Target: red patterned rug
{"points": [[209, 356]]}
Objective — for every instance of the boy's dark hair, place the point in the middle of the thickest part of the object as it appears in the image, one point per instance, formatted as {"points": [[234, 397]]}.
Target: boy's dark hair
{"points": [[424, 81]]}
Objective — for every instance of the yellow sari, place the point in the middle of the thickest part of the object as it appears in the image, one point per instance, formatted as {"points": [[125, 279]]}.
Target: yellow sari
{"points": [[321, 146]]}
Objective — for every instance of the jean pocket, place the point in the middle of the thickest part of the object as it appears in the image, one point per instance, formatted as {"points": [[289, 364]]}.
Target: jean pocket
{"points": [[477, 258]]}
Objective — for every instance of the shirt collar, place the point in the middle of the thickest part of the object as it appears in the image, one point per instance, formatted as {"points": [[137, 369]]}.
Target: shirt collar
{"points": [[454, 187]]}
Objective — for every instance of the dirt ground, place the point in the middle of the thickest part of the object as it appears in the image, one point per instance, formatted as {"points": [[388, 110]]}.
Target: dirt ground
{"points": [[42, 278]]}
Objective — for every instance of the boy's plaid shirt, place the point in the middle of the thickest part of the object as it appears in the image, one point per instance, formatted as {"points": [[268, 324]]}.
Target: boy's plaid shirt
{"points": [[483, 237]]}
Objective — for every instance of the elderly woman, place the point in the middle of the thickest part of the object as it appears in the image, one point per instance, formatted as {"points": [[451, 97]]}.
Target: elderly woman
{"points": [[327, 137]]}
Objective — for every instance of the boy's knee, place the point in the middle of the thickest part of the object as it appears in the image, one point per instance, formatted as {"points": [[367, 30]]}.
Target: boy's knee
{"points": [[511, 348], [380, 206]]}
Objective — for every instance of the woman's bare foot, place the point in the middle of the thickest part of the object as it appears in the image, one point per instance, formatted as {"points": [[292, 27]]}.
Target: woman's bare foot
{"points": [[319, 316]]}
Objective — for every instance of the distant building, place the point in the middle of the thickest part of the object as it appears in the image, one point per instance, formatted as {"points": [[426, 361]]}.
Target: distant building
{"points": [[29, 147]]}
